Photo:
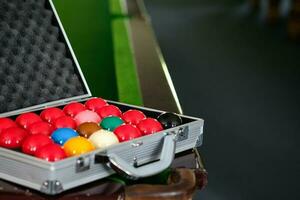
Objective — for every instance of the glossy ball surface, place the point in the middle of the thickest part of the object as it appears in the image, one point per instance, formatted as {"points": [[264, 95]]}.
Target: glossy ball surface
{"points": [[169, 120], [51, 114], [40, 128], [13, 137], [6, 123], [51, 153], [86, 116], [133, 116], [62, 135], [26, 119], [77, 146], [110, 123], [33, 143], [87, 129], [95, 103], [127, 132], [149, 126], [102, 139], [73, 109], [109, 110], [64, 122]]}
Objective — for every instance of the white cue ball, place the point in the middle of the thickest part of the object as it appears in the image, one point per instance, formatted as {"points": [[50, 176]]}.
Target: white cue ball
{"points": [[103, 138]]}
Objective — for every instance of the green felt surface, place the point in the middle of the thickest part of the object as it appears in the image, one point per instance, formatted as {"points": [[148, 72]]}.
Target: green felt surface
{"points": [[126, 73], [98, 35]]}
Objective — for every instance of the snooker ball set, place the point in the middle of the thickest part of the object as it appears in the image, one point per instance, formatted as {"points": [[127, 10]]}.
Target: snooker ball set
{"points": [[77, 128], [53, 146]]}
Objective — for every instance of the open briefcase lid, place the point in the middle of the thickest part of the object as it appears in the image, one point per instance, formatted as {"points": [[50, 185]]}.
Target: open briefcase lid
{"points": [[38, 67]]}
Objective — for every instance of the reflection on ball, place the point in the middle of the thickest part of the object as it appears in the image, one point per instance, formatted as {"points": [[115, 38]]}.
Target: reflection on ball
{"points": [[77, 146], [102, 139], [86, 129]]}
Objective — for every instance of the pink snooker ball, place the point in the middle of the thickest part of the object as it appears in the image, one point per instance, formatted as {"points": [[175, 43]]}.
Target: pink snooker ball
{"points": [[87, 116]]}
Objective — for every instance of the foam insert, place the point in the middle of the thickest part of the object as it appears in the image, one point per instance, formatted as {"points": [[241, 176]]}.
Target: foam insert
{"points": [[36, 65]]}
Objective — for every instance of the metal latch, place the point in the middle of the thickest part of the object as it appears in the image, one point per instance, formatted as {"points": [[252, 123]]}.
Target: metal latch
{"points": [[182, 134], [83, 164]]}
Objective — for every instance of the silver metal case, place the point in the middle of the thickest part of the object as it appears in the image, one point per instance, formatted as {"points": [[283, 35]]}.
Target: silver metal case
{"points": [[135, 159]]}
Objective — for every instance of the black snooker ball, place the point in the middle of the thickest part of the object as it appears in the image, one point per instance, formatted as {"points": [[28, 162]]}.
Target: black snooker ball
{"points": [[169, 120]]}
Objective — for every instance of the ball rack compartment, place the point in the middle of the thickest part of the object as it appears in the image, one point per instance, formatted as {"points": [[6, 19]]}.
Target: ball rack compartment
{"points": [[133, 158]]}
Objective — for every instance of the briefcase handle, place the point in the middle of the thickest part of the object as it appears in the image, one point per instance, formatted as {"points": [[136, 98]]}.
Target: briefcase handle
{"points": [[182, 184], [135, 172]]}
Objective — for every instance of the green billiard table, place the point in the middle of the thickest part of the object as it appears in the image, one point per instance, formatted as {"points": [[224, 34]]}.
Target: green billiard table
{"points": [[117, 51]]}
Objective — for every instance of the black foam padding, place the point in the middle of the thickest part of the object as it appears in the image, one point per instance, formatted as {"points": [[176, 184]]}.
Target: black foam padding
{"points": [[36, 65]]}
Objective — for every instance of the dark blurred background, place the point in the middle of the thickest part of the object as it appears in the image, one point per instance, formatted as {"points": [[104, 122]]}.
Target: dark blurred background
{"points": [[236, 64]]}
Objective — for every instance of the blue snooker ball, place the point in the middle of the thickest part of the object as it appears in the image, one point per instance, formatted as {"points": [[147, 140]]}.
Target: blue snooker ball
{"points": [[62, 135]]}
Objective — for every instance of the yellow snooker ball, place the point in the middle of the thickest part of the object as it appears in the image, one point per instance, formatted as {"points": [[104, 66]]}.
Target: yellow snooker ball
{"points": [[77, 146], [103, 138]]}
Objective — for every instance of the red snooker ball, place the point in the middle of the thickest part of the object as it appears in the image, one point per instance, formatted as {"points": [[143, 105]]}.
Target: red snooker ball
{"points": [[65, 122], [13, 137], [6, 123], [133, 116], [95, 103], [43, 128], [127, 132], [51, 114], [73, 109], [108, 111], [51, 152], [33, 143], [149, 125], [26, 119]]}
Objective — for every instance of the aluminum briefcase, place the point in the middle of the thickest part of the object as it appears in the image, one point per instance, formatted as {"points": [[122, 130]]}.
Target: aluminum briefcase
{"points": [[38, 69]]}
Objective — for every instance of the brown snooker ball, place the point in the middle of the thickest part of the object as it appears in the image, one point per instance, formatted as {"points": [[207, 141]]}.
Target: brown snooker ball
{"points": [[86, 129]]}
